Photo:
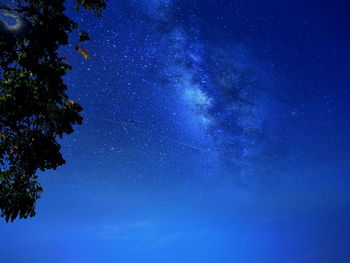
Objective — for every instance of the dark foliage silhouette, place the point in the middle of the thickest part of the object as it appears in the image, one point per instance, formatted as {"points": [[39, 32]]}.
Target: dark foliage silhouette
{"points": [[34, 108]]}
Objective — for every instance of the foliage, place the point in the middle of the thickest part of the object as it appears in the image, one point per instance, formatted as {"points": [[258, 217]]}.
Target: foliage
{"points": [[34, 108]]}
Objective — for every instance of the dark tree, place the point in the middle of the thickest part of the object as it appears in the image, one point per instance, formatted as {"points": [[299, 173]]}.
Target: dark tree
{"points": [[34, 108]]}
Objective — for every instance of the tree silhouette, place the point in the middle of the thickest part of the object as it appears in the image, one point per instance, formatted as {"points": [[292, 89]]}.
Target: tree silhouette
{"points": [[34, 108]]}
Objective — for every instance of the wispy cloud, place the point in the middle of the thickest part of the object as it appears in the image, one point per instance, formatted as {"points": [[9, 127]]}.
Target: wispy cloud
{"points": [[145, 236], [123, 231]]}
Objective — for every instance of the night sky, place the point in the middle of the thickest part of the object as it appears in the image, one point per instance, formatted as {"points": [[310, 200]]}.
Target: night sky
{"points": [[214, 132]]}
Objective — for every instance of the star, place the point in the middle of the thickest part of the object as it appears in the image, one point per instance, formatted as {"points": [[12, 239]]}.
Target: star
{"points": [[12, 21]]}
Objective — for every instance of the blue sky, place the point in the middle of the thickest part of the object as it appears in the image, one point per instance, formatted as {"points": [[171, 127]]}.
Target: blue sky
{"points": [[214, 131]]}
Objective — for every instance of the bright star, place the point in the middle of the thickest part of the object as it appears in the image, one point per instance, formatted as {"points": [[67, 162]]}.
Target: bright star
{"points": [[17, 21]]}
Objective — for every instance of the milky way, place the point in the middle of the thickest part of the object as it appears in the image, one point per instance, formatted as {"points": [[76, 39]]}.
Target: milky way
{"points": [[219, 97]]}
